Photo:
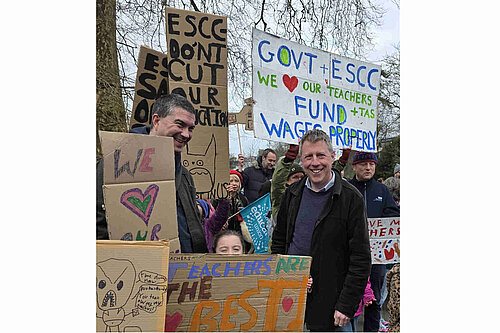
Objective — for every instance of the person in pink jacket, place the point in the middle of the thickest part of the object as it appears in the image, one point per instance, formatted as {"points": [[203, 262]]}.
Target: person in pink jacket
{"points": [[367, 300]]}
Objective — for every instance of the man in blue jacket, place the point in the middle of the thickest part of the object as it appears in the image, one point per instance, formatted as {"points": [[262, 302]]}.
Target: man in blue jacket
{"points": [[173, 116], [379, 203]]}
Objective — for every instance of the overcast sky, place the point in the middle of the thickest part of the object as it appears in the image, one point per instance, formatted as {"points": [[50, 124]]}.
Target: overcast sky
{"points": [[386, 37]]}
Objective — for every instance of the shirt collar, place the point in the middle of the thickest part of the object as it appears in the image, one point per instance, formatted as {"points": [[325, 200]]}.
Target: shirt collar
{"points": [[326, 187]]}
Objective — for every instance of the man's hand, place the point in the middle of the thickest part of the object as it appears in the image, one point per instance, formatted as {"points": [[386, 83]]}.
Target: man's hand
{"points": [[345, 155], [340, 319], [292, 152], [241, 161]]}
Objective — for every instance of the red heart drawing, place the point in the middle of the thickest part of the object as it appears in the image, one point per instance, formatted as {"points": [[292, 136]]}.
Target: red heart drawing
{"points": [[290, 82], [141, 204], [172, 322], [287, 303], [389, 254]]}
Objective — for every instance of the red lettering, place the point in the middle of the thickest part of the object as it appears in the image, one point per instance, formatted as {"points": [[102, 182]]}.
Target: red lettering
{"points": [[382, 232], [146, 160]]}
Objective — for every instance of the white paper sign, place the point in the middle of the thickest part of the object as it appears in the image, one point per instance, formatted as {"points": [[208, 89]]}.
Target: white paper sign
{"points": [[297, 88], [384, 239]]}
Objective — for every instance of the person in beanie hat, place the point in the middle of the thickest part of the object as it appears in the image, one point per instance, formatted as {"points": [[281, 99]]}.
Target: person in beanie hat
{"points": [[296, 173], [396, 170], [235, 172], [393, 184], [379, 203]]}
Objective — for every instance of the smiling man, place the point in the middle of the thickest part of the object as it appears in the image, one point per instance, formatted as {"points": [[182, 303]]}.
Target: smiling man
{"points": [[323, 216], [173, 116]]}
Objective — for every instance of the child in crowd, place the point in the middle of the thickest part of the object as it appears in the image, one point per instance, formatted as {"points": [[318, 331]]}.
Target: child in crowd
{"points": [[229, 241], [238, 201], [213, 219]]}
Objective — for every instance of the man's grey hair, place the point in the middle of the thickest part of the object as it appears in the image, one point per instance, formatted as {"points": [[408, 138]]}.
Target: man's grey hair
{"points": [[315, 135], [165, 104]]}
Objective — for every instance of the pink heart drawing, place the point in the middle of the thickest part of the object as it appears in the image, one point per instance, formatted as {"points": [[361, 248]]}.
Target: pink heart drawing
{"points": [[287, 303], [290, 82], [141, 204], [172, 322]]}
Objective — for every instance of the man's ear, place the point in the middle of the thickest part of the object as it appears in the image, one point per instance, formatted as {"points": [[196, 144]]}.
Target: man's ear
{"points": [[155, 120]]}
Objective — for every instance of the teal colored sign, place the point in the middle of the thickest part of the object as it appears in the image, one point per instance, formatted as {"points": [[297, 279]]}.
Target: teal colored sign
{"points": [[255, 216]]}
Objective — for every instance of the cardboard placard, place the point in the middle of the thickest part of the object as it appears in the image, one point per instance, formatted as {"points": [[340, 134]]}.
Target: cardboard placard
{"points": [[384, 240], [151, 81], [139, 187], [131, 286], [197, 59], [297, 88], [244, 116], [213, 292], [141, 211], [136, 157]]}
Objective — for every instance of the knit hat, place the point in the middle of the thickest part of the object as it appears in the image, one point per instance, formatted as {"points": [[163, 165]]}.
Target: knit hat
{"points": [[364, 157], [296, 168], [204, 206], [396, 168], [235, 172]]}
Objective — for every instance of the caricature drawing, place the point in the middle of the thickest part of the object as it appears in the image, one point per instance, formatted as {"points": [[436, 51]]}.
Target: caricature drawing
{"points": [[202, 166], [115, 282]]}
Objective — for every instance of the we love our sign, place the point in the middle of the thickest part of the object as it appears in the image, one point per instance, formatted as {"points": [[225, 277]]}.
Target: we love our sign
{"points": [[139, 186], [297, 88]]}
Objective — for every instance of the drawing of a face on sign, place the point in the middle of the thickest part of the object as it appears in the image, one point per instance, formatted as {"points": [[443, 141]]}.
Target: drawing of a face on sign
{"points": [[201, 166], [115, 281]]}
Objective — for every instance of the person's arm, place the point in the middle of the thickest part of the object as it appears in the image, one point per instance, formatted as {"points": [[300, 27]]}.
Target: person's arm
{"points": [[101, 223], [391, 208], [278, 183], [359, 258], [219, 218], [241, 163], [340, 164], [278, 244]]}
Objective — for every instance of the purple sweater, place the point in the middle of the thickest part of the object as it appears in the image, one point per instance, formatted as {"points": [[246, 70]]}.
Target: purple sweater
{"points": [[213, 224]]}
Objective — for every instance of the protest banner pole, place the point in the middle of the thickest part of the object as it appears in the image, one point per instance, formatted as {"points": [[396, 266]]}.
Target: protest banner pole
{"points": [[239, 139]]}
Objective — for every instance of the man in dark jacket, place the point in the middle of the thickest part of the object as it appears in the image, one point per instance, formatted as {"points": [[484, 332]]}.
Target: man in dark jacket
{"points": [[255, 176], [379, 203], [323, 216], [173, 116]]}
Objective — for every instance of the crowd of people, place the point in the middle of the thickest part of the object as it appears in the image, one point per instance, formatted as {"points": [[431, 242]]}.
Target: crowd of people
{"points": [[315, 212]]}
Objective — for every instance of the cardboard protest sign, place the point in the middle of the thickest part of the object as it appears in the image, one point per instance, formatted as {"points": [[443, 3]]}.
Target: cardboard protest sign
{"points": [[384, 240], [255, 217], [244, 116], [213, 292], [197, 62], [297, 88], [131, 286], [151, 82], [139, 186]]}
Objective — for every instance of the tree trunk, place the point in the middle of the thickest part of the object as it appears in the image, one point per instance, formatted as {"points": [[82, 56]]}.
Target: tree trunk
{"points": [[110, 109]]}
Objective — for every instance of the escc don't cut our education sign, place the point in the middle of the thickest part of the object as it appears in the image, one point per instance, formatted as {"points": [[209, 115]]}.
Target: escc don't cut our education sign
{"points": [[297, 88]]}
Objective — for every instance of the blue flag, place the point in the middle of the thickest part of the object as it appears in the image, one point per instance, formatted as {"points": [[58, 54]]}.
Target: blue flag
{"points": [[255, 216]]}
